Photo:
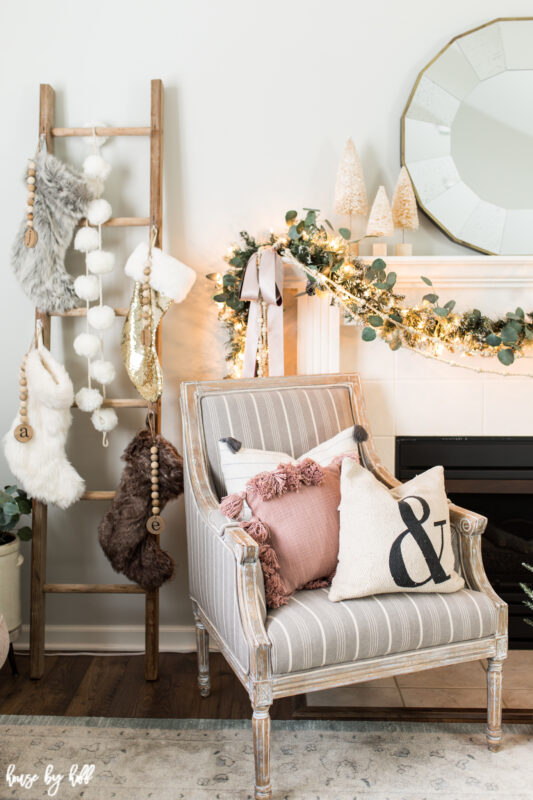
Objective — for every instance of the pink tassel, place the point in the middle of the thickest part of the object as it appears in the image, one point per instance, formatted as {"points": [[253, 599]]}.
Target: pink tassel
{"points": [[231, 506], [275, 592], [256, 529], [311, 473], [263, 485]]}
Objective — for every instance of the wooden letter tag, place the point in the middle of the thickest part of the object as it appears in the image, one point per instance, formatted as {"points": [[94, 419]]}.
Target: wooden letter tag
{"points": [[23, 433], [156, 525], [146, 337], [30, 237]]}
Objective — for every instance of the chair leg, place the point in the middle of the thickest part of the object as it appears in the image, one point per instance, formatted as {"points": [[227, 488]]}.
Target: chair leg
{"points": [[494, 703], [261, 734], [12, 662], [202, 649]]}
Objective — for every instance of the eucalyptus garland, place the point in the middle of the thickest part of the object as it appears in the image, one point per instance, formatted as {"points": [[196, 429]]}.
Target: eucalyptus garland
{"points": [[365, 293]]}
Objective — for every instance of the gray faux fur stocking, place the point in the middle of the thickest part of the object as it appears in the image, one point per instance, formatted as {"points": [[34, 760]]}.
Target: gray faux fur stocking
{"points": [[61, 198], [122, 532]]}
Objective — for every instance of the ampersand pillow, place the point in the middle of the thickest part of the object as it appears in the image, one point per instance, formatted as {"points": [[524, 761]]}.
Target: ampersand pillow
{"points": [[397, 540]]}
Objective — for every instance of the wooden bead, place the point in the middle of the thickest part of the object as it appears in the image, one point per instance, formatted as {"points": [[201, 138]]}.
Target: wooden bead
{"points": [[31, 181], [23, 381], [29, 215], [155, 510], [31, 194], [31, 172], [23, 395], [147, 270], [155, 480], [154, 448], [29, 223], [154, 456], [31, 199], [155, 495]]}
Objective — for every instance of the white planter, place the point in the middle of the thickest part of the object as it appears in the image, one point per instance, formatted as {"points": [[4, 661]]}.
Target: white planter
{"points": [[10, 562]]}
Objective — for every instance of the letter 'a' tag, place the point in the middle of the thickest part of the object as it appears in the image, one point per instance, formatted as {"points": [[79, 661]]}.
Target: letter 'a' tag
{"points": [[23, 433], [156, 525]]}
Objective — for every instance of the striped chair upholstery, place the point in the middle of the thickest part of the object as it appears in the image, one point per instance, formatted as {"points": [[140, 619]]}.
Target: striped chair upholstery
{"points": [[288, 420], [310, 631]]}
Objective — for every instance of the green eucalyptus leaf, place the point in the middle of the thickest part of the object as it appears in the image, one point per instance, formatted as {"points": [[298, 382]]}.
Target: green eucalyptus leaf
{"points": [[396, 317], [328, 223], [493, 340], [345, 233], [450, 305], [431, 298], [24, 505], [378, 264], [300, 226], [10, 509], [528, 333], [382, 285], [228, 279], [506, 357], [375, 320], [520, 312], [220, 298], [509, 334], [391, 278], [368, 335], [310, 219], [24, 534], [441, 311], [293, 232], [427, 281], [13, 490], [290, 216], [9, 524]]}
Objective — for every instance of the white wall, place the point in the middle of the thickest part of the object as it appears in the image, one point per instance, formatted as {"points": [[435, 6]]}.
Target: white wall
{"points": [[259, 101]]}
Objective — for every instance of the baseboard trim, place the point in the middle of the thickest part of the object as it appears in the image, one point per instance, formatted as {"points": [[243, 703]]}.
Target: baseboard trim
{"points": [[112, 638]]}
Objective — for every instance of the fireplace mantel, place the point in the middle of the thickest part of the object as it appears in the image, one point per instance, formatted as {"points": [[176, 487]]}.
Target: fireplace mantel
{"points": [[464, 272]]}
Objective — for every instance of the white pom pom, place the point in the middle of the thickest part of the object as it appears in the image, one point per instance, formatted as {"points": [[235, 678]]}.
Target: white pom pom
{"points": [[86, 239], [89, 399], [104, 419], [96, 167], [87, 345], [100, 261], [86, 287], [98, 211], [102, 371], [101, 317]]}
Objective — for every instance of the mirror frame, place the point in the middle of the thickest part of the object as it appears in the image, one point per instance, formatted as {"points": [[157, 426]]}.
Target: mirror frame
{"points": [[420, 75]]}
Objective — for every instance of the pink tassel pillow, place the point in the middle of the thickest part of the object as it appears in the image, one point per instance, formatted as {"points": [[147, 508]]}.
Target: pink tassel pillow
{"points": [[295, 522]]}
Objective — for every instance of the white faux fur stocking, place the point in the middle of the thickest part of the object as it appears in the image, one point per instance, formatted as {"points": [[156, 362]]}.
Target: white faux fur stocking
{"points": [[40, 464]]}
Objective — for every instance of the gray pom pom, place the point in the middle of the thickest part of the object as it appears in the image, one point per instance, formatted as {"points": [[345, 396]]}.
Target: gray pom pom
{"points": [[359, 433], [233, 444]]}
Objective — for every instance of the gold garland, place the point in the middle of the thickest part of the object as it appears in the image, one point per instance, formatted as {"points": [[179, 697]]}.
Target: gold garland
{"points": [[365, 293]]}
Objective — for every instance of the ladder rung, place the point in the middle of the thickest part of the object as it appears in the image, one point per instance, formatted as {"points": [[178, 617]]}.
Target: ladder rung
{"points": [[121, 403], [101, 131], [82, 312], [122, 222], [98, 495], [93, 588]]}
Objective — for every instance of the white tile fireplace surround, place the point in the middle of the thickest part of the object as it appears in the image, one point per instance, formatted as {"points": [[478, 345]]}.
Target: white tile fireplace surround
{"points": [[413, 396]]}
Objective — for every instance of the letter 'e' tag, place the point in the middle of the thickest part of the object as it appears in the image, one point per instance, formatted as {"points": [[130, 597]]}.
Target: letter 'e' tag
{"points": [[23, 433], [156, 525]]}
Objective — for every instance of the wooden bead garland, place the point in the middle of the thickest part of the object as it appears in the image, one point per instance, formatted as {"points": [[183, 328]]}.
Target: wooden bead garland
{"points": [[146, 303], [30, 237], [23, 432], [155, 523]]}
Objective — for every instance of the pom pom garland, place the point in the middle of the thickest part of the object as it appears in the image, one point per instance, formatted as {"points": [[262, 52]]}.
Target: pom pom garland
{"points": [[89, 399], [86, 287], [95, 166], [87, 345], [104, 419], [98, 211], [100, 262], [100, 317], [102, 371], [86, 239]]}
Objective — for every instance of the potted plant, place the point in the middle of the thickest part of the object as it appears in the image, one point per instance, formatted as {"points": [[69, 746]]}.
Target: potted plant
{"points": [[14, 504]]}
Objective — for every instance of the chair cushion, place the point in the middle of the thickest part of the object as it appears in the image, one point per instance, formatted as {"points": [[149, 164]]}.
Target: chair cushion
{"points": [[310, 631], [292, 420]]}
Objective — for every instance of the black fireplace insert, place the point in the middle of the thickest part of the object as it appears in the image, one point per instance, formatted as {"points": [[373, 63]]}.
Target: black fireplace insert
{"points": [[493, 476]]}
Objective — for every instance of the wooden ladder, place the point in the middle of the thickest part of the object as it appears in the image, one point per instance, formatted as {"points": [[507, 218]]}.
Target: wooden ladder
{"points": [[39, 587]]}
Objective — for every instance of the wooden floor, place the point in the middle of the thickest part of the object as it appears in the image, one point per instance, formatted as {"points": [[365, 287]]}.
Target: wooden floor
{"points": [[114, 686]]}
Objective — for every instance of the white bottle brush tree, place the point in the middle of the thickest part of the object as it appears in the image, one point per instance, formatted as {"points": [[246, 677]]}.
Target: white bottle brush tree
{"points": [[350, 189], [380, 220], [404, 209]]}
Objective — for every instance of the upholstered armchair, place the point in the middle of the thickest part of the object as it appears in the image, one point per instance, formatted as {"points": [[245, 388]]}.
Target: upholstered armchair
{"points": [[312, 643]]}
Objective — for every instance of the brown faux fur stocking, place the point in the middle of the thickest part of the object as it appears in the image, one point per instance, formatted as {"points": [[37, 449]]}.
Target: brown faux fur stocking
{"points": [[129, 547]]}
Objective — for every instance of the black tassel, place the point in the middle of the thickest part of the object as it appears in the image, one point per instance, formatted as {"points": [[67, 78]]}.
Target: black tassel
{"points": [[359, 433], [233, 444]]}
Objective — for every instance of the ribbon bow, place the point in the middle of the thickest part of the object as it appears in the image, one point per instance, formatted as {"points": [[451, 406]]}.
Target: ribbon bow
{"points": [[262, 283]]}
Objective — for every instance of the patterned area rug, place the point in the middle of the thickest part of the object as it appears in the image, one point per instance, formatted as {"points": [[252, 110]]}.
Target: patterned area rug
{"points": [[212, 759]]}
